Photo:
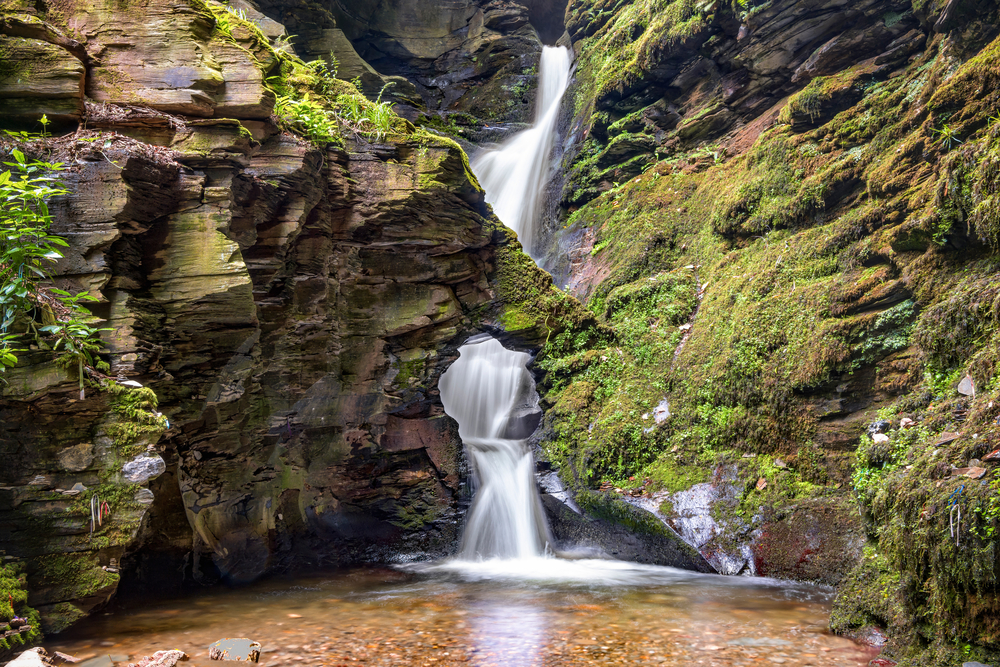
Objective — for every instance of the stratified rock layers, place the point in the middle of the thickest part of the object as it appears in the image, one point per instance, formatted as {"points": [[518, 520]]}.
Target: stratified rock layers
{"points": [[292, 307]]}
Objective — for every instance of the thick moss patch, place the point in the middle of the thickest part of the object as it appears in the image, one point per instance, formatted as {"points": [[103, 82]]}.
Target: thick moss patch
{"points": [[13, 602], [839, 271]]}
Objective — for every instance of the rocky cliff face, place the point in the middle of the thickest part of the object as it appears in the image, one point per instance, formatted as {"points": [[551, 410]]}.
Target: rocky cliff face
{"points": [[464, 67], [291, 304], [781, 216]]}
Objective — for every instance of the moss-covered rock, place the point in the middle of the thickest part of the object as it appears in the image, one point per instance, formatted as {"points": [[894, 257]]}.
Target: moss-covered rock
{"points": [[815, 266], [14, 591]]}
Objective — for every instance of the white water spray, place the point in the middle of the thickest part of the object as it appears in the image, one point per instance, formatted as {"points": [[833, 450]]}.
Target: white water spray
{"points": [[483, 391], [515, 174]]}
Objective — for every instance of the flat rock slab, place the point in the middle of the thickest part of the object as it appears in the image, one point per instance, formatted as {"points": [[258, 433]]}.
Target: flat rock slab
{"points": [[945, 438], [240, 648], [36, 657]]}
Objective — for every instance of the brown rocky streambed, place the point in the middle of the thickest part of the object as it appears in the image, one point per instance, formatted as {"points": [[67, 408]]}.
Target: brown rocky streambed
{"points": [[384, 616]]}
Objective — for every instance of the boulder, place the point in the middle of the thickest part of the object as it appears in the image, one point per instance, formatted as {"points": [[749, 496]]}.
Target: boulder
{"points": [[817, 540], [143, 468], [613, 527], [77, 458]]}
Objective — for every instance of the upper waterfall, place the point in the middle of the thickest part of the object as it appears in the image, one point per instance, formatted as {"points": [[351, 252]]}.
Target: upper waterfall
{"points": [[515, 174]]}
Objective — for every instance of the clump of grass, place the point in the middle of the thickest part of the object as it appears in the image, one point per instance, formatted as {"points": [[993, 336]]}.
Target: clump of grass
{"points": [[309, 118], [375, 120]]}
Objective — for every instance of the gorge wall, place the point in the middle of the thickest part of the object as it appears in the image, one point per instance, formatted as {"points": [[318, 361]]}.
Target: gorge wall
{"points": [[780, 218], [286, 305]]}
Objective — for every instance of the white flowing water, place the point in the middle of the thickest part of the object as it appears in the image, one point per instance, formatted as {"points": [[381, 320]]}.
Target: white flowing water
{"points": [[515, 174], [488, 384], [482, 391]]}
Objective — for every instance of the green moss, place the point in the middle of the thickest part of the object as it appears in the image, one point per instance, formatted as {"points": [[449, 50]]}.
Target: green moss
{"points": [[13, 602], [820, 270], [773, 187], [871, 595], [615, 510], [136, 417], [631, 44], [72, 575], [823, 92], [425, 140], [529, 304], [451, 124], [668, 475]]}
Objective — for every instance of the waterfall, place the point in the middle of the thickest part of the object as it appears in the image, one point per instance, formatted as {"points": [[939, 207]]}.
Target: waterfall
{"points": [[485, 391], [515, 174]]}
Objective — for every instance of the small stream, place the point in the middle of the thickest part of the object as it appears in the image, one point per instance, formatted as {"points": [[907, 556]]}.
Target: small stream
{"points": [[560, 615]]}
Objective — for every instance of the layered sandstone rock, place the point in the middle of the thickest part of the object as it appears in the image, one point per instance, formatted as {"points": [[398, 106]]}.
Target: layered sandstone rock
{"points": [[291, 305]]}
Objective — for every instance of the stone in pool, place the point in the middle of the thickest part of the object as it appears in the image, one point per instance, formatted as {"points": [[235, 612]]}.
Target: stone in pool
{"points": [[240, 648]]}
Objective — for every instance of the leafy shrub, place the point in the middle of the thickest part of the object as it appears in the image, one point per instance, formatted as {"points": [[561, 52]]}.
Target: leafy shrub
{"points": [[26, 251]]}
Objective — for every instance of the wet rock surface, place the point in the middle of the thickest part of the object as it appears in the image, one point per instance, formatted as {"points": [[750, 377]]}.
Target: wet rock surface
{"points": [[294, 360], [613, 528], [693, 515]]}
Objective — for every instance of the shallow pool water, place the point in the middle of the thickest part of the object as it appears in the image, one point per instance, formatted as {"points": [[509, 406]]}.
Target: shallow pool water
{"points": [[543, 612]]}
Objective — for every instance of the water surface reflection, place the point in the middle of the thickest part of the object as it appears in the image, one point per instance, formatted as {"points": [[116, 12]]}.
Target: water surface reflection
{"points": [[473, 616]]}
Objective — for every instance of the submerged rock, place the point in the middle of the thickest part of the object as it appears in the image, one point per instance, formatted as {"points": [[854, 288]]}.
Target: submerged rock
{"points": [[161, 659], [241, 649]]}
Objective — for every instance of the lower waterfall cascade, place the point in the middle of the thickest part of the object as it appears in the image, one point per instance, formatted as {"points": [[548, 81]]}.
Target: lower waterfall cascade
{"points": [[483, 391], [488, 384]]}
